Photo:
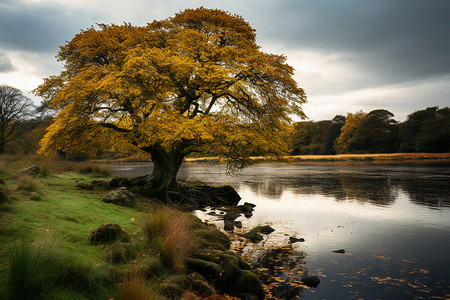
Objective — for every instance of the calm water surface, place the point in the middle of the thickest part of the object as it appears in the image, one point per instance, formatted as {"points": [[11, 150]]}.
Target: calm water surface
{"points": [[392, 220]]}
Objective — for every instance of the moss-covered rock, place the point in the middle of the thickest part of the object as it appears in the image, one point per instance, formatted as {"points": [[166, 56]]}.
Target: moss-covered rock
{"points": [[172, 290], [207, 269], [247, 283], [266, 229], [215, 195], [311, 280], [253, 235], [245, 208], [176, 285], [120, 253], [108, 233], [85, 186], [208, 236], [193, 194], [235, 276], [200, 285], [231, 215], [30, 171], [228, 226], [120, 196]]}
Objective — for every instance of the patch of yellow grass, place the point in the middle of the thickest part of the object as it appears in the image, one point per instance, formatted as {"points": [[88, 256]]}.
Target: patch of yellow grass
{"points": [[381, 156], [169, 233], [337, 157], [134, 286]]}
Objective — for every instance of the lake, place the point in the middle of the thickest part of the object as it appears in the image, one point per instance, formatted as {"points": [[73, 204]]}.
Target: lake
{"points": [[392, 220]]}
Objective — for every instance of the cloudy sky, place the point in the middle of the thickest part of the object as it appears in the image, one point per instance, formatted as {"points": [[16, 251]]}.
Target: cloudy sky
{"points": [[348, 55]]}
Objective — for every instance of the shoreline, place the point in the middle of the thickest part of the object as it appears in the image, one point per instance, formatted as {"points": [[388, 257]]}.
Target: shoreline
{"points": [[336, 158], [340, 157]]}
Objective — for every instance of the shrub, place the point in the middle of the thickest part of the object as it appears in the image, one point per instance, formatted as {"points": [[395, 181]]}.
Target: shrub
{"points": [[168, 233], [28, 184], [44, 172], [35, 196]]}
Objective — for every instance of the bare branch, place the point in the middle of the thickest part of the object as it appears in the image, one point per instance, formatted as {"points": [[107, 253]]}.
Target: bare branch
{"points": [[15, 108]]}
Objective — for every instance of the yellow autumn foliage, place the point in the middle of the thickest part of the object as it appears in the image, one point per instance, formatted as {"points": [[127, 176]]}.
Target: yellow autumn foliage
{"points": [[348, 131], [194, 82]]}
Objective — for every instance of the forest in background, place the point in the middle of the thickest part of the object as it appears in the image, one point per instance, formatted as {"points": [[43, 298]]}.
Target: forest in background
{"points": [[425, 130]]}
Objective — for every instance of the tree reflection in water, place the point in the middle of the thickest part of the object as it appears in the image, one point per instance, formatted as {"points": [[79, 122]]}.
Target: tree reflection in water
{"points": [[425, 184], [372, 183], [392, 220]]}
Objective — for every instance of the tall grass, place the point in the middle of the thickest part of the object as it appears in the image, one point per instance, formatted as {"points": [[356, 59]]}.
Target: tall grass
{"points": [[44, 172], [169, 234], [28, 184], [29, 188], [39, 270], [135, 287]]}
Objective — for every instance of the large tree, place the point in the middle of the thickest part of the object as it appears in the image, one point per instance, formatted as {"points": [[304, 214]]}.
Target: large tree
{"points": [[377, 133], [332, 134], [426, 130], [309, 137], [15, 109], [352, 122], [197, 81]]}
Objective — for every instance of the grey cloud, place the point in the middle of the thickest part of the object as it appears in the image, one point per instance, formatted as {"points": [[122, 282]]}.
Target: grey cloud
{"points": [[38, 27], [396, 41], [384, 42], [5, 63]]}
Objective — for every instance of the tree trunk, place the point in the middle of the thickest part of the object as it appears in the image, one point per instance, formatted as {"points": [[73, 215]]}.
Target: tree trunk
{"points": [[2, 145], [165, 168]]}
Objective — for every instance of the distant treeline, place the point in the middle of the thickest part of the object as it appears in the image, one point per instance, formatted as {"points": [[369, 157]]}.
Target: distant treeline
{"points": [[425, 130]]}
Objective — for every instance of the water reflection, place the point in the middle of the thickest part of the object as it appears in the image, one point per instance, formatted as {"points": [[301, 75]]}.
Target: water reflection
{"points": [[424, 184], [392, 220], [376, 190], [424, 191], [380, 185]]}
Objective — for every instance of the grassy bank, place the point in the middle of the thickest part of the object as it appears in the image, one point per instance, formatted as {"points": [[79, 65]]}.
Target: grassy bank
{"points": [[45, 221], [385, 157]]}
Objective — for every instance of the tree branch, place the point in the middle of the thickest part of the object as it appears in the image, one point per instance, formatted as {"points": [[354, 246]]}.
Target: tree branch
{"points": [[114, 127]]}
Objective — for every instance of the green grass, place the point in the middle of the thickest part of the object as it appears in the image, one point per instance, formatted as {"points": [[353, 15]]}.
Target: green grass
{"points": [[53, 205], [41, 269], [45, 252], [68, 212]]}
